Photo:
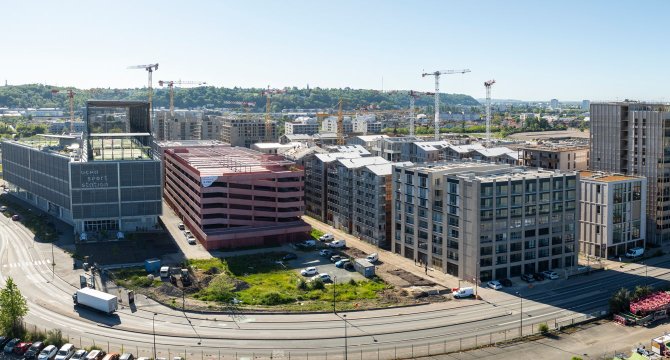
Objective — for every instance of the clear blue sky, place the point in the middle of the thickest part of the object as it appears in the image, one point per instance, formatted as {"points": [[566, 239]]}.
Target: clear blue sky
{"points": [[535, 50]]}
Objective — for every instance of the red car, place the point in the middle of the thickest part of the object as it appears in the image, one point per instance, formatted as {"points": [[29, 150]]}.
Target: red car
{"points": [[21, 348]]}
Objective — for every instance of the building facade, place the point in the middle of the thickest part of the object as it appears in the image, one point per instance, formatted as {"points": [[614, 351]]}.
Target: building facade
{"points": [[633, 138], [485, 221], [560, 156], [302, 125], [179, 125], [612, 215], [245, 132], [232, 197], [102, 183]]}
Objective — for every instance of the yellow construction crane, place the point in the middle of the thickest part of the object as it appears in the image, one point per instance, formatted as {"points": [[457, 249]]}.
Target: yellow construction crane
{"points": [[171, 83], [268, 119], [70, 94]]}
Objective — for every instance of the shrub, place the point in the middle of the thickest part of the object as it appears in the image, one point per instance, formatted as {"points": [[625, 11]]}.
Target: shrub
{"points": [[317, 284], [544, 328], [302, 285], [275, 298], [55, 337], [352, 282]]}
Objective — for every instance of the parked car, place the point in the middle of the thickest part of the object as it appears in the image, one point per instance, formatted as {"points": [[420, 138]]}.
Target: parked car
{"points": [[9, 346], [463, 293], [341, 263], [191, 240], [494, 284], [289, 256], [372, 258], [325, 252], [337, 244], [16, 217], [348, 266], [79, 355], [48, 353], [635, 252], [181, 226], [335, 258], [528, 278], [327, 237], [506, 282], [111, 356], [34, 350], [551, 275], [127, 356], [65, 352], [21, 348], [538, 276], [323, 277], [3, 208], [4, 340], [307, 243], [95, 355], [309, 271]]}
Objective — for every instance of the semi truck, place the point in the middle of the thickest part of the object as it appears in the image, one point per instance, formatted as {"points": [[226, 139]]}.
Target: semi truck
{"points": [[96, 300]]}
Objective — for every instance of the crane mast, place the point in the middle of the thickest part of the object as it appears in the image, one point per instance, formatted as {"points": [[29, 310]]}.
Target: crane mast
{"points": [[437, 74], [340, 124], [488, 85], [412, 117]]}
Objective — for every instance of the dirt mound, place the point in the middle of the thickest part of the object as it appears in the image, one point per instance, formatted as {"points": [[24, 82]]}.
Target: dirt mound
{"points": [[411, 278]]}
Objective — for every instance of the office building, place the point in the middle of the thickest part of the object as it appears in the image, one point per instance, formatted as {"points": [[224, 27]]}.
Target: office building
{"points": [[482, 221], [564, 156], [231, 197], [103, 183], [586, 104], [611, 217], [633, 138]]}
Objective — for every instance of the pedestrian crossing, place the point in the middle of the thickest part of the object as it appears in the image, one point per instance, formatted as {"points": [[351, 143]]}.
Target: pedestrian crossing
{"points": [[24, 264]]}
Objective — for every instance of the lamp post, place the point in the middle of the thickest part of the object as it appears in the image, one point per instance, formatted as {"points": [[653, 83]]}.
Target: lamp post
{"points": [[346, 348], [53, 262], [153, 327], [520, 315], [334, 282]]}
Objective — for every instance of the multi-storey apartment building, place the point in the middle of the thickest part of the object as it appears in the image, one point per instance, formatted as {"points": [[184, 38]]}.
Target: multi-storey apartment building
{"points": [[245, 132], [234, 197], [485, 221], [179, 125], [633, 138], [302, 125], [560, 156], [611, 217]]}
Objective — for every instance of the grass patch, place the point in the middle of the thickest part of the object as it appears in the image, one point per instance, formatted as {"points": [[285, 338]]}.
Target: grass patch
{"points": [[133, 278], [316, 233]]}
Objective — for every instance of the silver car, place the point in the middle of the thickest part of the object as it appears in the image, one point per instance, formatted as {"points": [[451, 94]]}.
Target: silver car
{"points": [[48, 353]]}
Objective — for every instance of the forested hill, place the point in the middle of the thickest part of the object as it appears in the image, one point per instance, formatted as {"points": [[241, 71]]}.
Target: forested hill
{"points": [[39, 96]]}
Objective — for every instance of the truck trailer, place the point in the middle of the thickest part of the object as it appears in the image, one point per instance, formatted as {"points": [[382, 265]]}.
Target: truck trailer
{"points": [[96, 300]]}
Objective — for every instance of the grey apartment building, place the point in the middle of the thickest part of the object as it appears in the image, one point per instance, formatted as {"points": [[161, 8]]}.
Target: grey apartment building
{"points": [[485, 221], [633, 138], [102, 182], [245, 131]]}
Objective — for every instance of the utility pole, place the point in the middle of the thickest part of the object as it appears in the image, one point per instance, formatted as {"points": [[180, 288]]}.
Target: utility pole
{"points": [[346, 347], [334, 283], [520, 315], [437, 74], [153, 327]]}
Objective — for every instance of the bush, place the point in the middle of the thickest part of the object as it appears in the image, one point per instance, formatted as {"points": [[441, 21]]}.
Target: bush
{"points": [[543, 328], [317, 284], [302, 285], [275, 298], [352, 282], [55, 337]]}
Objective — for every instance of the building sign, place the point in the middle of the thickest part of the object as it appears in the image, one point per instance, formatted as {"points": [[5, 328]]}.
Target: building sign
{"points": [[207, 181], [91, 179]]}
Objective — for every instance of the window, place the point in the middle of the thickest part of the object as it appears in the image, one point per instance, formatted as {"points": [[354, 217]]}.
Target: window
{"points": [[529, 244]]}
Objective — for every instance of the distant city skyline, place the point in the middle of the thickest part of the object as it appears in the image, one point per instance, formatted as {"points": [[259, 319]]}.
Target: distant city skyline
{"points": [[569, 50]]}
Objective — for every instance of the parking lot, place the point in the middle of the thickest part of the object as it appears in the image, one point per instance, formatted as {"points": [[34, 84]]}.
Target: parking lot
{"points": [[308, 257]]}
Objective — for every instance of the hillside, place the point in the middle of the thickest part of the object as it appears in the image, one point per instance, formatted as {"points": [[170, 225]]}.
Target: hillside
{"points": [[35, 96]]}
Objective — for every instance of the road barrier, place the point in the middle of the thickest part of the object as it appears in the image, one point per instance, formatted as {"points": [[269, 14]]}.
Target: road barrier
{"points": [[373, 350]]}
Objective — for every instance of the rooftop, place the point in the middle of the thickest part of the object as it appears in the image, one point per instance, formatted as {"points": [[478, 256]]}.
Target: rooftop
{"points": [[220, 161], [181, 143], [606, 177]]}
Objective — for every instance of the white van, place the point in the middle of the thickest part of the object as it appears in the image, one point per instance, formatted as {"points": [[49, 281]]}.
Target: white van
{"points": [[327, 237], [372, 258], [463, 293], [337, 244], [165, 271], [635, 252]]}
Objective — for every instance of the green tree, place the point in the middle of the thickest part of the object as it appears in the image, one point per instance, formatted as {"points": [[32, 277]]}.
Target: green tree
{"points": [[620, 301], [13, 307], [642, 291]]}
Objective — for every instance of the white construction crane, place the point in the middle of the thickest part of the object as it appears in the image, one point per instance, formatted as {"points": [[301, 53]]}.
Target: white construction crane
{"points": [[171, 83], [149, 68], [437, 94], [488, 85], [412, 117]]}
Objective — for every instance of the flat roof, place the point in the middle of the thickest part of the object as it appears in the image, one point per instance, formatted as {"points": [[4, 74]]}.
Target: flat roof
{"points": [[54, 136], [111, 135], [115, 103], [218, 161], [606, 177]]}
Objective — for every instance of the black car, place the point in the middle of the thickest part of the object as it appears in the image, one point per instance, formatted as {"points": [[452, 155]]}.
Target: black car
{"points": [[505, 282], [289, 256], [528, 278], [9, 346], [4, 340], [538, 276], [34, 350]]}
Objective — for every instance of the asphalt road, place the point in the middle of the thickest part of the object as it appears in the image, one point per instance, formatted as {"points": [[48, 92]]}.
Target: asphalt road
{"points": [[51, 306]]}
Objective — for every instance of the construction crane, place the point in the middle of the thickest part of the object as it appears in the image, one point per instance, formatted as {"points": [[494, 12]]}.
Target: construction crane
{"points": [[413, 95], [171, 83], [268, 120], [70, 94], [150, 69], [437, 74], [488, 85]]}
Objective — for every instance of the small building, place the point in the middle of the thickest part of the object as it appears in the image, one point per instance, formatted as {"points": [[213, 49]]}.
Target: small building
{"points": [[564, 156], [364, 267], [612, 217]]}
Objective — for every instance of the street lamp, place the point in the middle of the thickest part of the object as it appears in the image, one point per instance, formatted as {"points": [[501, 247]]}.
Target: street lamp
{"points": [[153, 327], [520, 315], [346, 348], [334, 282]]}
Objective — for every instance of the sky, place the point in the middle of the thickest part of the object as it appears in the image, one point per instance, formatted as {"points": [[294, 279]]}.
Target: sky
{"points": [[535, 50]]}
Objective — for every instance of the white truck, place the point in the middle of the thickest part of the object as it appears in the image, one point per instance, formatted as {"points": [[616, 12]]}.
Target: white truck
{"points": [[337, 244], [96, 300]]}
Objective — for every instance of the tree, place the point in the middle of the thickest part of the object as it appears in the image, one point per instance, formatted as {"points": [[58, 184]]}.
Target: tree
{"points": [[13, 307], [620, 301]]}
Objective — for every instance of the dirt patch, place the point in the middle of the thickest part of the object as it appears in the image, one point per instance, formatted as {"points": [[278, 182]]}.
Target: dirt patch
{"points": [[410, 278]]}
